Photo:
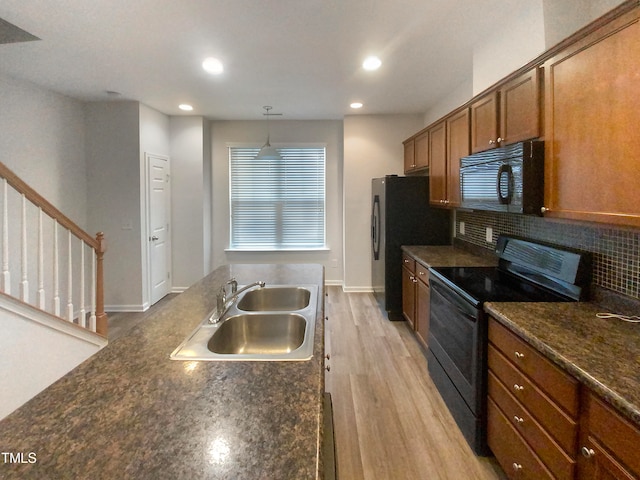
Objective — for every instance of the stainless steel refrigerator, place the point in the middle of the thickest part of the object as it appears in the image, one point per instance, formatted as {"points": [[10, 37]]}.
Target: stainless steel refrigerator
{"points": [[401, 215]]}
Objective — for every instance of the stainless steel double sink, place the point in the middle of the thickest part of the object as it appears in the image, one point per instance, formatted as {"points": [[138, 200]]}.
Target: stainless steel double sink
{"points": [[270, 323]]}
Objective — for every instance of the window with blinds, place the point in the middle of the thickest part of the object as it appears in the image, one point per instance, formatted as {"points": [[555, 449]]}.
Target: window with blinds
{"points": [[277, 204]]}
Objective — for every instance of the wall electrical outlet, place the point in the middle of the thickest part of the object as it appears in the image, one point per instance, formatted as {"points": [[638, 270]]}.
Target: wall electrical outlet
{"points": [[461, 228], [489, 236]]}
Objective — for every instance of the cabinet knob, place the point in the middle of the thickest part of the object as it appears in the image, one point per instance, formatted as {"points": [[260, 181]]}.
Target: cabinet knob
{"points": [[499, 140], [519, 355], [544, 210], [587, 452], [492, 142], [328, 368], [327, 356], [518, 388], [518, 419], [516, 467], [421, 274]]}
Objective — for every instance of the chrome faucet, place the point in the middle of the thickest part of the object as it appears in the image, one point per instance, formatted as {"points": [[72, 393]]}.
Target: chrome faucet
{"points": [[223, 303]]}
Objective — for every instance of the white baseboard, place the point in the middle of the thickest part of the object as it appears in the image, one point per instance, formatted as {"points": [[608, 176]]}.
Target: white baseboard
{"points": [[126, 308], [333, 283], [357, 289], [178, 289]]}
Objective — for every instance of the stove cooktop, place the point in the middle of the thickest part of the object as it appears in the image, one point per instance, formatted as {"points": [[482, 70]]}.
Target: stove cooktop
{"points": [[490, 284]]}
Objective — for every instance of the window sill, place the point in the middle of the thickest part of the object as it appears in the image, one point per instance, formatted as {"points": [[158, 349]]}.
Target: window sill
{"points": [[277, 250]]}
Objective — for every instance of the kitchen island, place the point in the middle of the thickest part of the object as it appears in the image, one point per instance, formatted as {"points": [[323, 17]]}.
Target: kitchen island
{"points": [[131, 412]]}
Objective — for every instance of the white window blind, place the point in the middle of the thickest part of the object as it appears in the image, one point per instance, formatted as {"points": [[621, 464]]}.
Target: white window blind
{"points": [[277, 204]]}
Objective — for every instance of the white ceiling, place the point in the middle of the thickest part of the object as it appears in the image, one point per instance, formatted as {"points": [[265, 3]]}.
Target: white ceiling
{"points": [[303, 57]]}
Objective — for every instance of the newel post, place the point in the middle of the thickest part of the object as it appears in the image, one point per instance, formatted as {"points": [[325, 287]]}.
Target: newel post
{"points": [[101, 317]]}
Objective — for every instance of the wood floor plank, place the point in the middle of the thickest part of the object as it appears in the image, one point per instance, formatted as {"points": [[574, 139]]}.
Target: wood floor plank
{"points": [[390, 421]]}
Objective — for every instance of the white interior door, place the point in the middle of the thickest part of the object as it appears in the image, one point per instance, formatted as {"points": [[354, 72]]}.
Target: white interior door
{"points": [[158, 221]]}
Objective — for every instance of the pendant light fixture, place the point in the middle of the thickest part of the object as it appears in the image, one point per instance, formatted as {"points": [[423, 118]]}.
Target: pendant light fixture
{"points": [[267, 152]]}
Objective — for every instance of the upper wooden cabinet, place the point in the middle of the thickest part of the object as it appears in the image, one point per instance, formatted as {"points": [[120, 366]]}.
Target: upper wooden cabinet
{"points": [[509, 114], [438, 163], [409, 155], [416, 153], [457, 147], [592, 114]]}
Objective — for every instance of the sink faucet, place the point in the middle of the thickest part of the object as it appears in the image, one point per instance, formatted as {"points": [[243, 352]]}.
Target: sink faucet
{"points": [[223, 303]]}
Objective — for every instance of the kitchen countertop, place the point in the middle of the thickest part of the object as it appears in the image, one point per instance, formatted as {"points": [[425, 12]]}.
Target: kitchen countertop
{"points": [[449, 256], [131, 412], [603, 354]]}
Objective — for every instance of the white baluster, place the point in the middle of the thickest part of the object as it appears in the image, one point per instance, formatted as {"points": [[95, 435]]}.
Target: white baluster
{"points": [[92, 315], [69, 280], [24, 285], [6, 274], [82, 318], [56, 271], [41, 299]]}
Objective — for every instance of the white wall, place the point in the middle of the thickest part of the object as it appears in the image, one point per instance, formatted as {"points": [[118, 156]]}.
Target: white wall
{"points": [[372, 148], [459, 96], [187, 200], [42, 141], [282, 132], [35, 352], [113, 165]]}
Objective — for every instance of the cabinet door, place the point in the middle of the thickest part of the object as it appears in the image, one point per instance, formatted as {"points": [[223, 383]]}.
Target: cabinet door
{"points": [[484, 123], [438, 164], [520, 108], [409, 153], [422, 309], [421, 154], [408, 296], [458, 147], [592, 113]]}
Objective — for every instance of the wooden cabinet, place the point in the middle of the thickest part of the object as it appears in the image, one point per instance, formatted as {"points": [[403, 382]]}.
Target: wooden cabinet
{"points": [[608, 443], [416, 297], [409, 290], [533, 410], [416, 153], [409, 155], [438, 163], [423, 297], [448, 142], [592, 113], [509, 114]]}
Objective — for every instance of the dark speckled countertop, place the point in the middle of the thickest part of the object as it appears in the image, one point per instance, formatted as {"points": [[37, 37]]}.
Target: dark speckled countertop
{"points": [[449, 256], [603, 354], [131, 412]]}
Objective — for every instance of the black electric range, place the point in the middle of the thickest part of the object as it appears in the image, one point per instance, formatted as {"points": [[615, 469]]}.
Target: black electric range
{"points": [[527, 271]]}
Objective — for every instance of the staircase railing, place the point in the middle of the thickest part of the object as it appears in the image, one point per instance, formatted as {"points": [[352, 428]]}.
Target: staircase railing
{"points": [[65, 257]]}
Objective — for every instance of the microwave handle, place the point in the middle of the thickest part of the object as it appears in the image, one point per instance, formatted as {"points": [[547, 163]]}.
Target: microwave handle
{"points": [[505, 169]]}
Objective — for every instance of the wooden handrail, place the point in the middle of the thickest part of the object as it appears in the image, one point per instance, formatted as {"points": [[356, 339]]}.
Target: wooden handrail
{"points": [[39, 201], [98, 243]]}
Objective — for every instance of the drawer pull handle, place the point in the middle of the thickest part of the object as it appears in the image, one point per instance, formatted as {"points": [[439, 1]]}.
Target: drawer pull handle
{"points": [[518, 388], [587, 452], [519, 355], [518, 419], [516, 467]]}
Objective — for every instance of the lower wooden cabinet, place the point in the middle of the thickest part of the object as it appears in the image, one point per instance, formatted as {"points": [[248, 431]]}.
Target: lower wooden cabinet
{"points": [[416, 297], [608, 443], [541, 425]]}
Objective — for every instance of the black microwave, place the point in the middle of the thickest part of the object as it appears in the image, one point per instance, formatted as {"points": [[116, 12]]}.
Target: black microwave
{"points": [[505, 179]]}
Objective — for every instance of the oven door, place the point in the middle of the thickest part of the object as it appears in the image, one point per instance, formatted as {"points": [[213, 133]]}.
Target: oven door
{"points": [[456, 333]]}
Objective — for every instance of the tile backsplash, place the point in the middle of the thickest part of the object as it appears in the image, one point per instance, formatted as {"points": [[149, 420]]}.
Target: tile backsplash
{"points": [[616, 251]]}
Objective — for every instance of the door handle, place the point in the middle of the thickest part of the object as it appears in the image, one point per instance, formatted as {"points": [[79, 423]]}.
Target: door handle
{"points": [[154, 238]]}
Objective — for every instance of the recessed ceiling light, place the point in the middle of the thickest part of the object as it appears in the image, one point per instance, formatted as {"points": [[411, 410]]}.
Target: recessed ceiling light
{"points": [[186, 107], [371, 63], [356, 105], [213, 66]]}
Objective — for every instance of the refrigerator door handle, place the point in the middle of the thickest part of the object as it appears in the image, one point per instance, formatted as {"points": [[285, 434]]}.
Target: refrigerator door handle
{"points": [[375, 228]]}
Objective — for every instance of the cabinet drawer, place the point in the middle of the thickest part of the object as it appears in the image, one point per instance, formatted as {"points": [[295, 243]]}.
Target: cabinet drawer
{"points": [[556, 460], [513, 454], [614, 432], [560, 386], [409, 263], [553, 419], [422, 273]]}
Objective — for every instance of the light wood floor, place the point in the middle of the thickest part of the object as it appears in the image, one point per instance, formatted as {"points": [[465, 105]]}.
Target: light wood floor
{"points": [[390, 422]]}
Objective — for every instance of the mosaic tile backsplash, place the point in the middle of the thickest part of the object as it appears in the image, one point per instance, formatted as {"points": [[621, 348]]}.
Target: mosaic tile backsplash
{"points": [[616, 251]]}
